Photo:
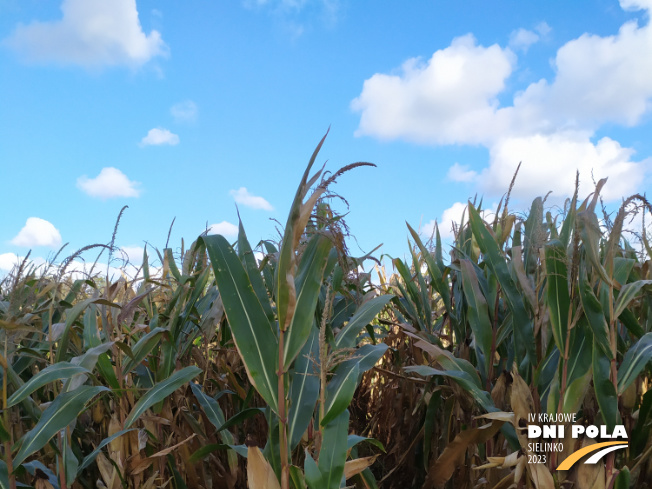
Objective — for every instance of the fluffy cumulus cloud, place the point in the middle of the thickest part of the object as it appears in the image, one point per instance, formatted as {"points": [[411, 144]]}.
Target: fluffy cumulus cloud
{"points": [[159, 136], [185, 111], [8, 261], [91, 33], [244, 197], [224, 228], [551, 124], [38, 232], [551, 164], [449, 99], [110, 183]]}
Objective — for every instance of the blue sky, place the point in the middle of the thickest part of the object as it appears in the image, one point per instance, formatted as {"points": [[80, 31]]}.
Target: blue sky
{"points": [[183, 109]]}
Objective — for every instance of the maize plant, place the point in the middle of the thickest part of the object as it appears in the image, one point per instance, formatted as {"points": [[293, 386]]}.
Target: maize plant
{"points": [[281, 365], [537, 315]]}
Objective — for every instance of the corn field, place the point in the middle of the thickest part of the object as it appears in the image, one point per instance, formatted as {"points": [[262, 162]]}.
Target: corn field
{"points": [[282, 365]]}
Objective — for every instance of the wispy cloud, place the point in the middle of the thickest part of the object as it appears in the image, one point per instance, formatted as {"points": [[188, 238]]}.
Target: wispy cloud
{"points": [[110, 183], [185, 111], [91, 33], [159, 136], [461, 173], [242, 196], [38, 232]]}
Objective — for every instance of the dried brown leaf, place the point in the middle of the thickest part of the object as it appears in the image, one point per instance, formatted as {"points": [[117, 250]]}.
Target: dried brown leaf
{"points": [[260, 475], [452, 457]]}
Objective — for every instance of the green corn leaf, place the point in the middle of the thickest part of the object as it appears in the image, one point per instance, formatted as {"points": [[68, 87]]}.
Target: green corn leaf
{"points": [[429, 425], [437, 278], [604, 388], [297, 477], [240, 417], [202, 452], [481, 396], [304, 389], [623, 268], [88, 459], [558, 297], [210, 406], [595, 316], [580, 355], [353, 440], [627, 294], [363, 316], [160, 391], [71, 316], [332, 456], [576, 391], [57, 371], [364, 357], [4, 475], [252, 332], [623, 479], [142, 348], [636, 358], [339, 393], [308, 286], [63, 410], [523, 333], [169, 258], [313, 475], [533, 235], [92, 339], [297, 219], [412, 290], [249, 260], [478, 314], [88, 360], [590, 232]]}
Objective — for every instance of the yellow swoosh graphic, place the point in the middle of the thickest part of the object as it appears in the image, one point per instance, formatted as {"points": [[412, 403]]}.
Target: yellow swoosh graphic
{"points": [[574, 457]]}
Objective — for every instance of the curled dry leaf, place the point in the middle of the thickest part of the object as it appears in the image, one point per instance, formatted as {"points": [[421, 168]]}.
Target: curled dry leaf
{"points": [[260, 475], [590, 476], [353, 467], [452, 457]]}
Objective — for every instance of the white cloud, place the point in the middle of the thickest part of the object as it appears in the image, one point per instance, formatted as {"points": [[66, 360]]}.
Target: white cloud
{"points": [[550, 126], [110, 183], [598, 80], [91, 33], [450, 99], [242, 196], [159, 136], [8, 261], [185, 111], [543, 29], [224, 228], [636, 4], [452, 218], [549, 162], [522, 39], [134, 253], [461, 173], [38, 232]]}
